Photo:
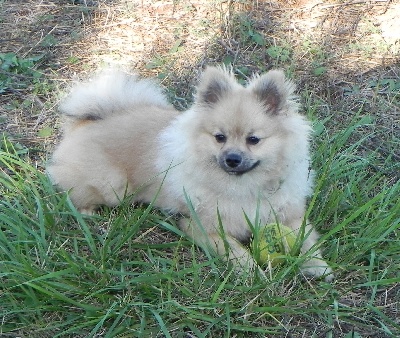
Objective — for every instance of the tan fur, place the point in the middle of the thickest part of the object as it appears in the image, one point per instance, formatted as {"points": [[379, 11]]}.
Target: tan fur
{"points": [[137, 144], [100, 172]]}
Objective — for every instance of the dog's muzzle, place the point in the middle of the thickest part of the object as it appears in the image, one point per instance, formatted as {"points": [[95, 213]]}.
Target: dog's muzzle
{"points": [[236, 163]]}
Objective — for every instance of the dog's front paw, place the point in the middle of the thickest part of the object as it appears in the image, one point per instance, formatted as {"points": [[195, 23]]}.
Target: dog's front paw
{"points": [[244, 262], [90, 211], [318, 268]]}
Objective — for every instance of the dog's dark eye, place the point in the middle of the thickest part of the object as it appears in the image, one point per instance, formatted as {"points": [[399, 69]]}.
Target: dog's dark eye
{"points": [[252, 140], [221, 138]]}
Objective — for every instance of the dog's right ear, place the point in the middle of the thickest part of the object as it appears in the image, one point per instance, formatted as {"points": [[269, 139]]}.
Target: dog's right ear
{"points": [[214, 83]]}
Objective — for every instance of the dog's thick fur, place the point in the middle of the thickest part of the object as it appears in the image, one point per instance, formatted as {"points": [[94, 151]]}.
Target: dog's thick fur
{"points": [[238, 152]]}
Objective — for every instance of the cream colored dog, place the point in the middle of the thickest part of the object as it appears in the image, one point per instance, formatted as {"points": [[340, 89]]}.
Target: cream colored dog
{"points": [[239, 152]]}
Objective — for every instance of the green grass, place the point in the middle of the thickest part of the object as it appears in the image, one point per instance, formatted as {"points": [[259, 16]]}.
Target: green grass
{"points": [[17, 72], [128, 272]]}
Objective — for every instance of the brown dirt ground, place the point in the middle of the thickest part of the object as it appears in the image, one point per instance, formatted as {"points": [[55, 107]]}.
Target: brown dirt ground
{"points": [[356, 41]]}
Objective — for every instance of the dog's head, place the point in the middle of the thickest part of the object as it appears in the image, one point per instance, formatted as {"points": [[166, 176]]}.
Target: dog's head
{"points": [[246, 129]]}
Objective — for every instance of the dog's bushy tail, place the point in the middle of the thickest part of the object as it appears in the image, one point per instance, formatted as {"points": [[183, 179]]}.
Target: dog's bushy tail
{"points": [[111, 92]]}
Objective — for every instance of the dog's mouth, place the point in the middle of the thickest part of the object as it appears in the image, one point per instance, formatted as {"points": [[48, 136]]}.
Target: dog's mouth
{"points": [[236, 163], [241, 171]]}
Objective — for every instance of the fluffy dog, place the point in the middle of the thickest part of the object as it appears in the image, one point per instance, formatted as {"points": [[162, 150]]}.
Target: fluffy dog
{"points": [[238, 154]]}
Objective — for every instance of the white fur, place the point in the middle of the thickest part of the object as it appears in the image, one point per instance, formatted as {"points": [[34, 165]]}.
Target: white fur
{"points": [[187, 174], [112, 92]]}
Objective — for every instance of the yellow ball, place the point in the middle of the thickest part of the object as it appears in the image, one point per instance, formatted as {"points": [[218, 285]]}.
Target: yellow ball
{"points": [[271, 242]]}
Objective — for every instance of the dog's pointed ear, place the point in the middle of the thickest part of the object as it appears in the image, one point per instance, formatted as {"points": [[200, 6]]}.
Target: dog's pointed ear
{"points": [[214, 83], [273, 90]]}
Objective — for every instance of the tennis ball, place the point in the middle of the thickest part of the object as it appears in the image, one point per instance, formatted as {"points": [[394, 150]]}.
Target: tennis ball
{"points": [[272, 241]]}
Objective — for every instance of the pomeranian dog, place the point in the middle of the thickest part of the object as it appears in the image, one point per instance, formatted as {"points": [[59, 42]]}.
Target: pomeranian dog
{"points": [[239, 154]]}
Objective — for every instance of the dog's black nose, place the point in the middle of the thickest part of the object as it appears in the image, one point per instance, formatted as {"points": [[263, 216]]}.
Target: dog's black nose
{"points": [[233, 160]]}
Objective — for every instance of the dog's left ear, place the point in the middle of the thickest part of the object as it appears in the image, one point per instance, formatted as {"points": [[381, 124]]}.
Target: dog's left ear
{"points": [[273, 90]]}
